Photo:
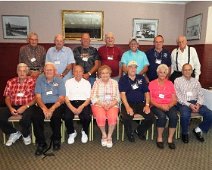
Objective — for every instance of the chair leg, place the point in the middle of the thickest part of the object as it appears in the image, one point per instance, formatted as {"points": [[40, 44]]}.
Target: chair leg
{"points": [[153, 126], [4, 138], [62, 129], [122, 136], [33, 135], [117, 128], [92, 124]]}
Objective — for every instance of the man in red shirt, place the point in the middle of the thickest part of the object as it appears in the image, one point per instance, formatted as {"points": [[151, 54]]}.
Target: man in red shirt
{"points": [[19, 97], [111, 55]]}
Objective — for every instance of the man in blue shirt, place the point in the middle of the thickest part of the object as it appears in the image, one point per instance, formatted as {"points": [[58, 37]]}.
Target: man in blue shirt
{"points": [[134, 54], [156, 56], [135, 98], [50, 95], [62, 57]]}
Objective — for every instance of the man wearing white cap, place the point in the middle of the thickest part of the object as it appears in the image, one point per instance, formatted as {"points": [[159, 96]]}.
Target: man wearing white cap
{"points": [[134, 54], [135, 100]]}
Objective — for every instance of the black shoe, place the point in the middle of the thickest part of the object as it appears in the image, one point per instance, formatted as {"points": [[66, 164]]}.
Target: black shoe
{"points": [[198, 136], [171, 145], [160, 145], [40, 149], [56, 145], [141, 136], [185, 138], [130, 137]]}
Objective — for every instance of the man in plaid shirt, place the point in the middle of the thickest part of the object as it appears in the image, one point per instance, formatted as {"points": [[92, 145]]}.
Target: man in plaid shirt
{"points": [[19, 97]]}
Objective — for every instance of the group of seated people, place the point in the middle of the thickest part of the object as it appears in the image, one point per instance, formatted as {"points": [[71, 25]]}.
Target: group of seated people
{"points": [[45, 89]]}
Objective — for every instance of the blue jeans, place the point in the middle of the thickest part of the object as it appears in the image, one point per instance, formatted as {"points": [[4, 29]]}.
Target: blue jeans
{"points": [[162, 117], [92, 80], [185, 116]]}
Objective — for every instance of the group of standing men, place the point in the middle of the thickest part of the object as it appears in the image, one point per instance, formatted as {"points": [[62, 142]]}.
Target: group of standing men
{"points": [[49, 93]]}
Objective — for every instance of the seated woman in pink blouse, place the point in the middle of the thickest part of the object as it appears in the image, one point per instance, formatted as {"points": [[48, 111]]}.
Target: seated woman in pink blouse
{"points": [[163, 101], [105, 98]]}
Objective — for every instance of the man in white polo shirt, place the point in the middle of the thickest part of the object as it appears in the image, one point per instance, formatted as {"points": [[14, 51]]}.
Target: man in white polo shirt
{"points": [[78, 92]]}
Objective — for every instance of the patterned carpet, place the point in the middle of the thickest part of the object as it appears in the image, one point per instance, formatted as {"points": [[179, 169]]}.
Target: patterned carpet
{"points": [[123, 156]]}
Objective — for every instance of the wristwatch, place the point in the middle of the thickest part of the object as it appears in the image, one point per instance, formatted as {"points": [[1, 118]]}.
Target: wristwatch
{"points": [[89, 73]]}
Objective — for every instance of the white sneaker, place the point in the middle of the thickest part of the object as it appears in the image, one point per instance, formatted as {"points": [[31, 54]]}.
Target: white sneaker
{"points": [[84, 138], [13, 138], [72, 137], [109, 143], [27, 140]]}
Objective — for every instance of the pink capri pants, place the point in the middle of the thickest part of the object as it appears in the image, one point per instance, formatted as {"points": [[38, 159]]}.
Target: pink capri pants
{"points": [[101, 115]]}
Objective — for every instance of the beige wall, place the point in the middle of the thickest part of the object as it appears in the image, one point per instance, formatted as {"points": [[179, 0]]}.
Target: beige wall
{"points": [[194, 8], [45, 17]]}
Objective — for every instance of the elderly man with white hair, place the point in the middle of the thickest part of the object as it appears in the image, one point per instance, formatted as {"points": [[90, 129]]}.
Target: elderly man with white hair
{"points": [[19, 99], [111, 55], [50, 95], [62, 57]]}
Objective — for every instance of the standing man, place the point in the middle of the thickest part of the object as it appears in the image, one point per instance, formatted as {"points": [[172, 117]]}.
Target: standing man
{"points": [[156, 56], [78, 91], [190, 98], [50, 95], [33, 55], [182, 55], [62, 57], [111, 55], [19, 97], [134, 54], [136, 99], [88, 58]]}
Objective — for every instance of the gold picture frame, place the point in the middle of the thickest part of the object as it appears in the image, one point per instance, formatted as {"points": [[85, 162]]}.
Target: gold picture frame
{"points": [[74, 23]]}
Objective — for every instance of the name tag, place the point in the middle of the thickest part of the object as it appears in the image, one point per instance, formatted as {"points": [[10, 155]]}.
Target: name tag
{"points": [[134, 86], [55, 84], [161, 96], [49, 92], [85, 59], [20, 94], [33, 59], [158, 61], [57, 62], [110, 57], [108, 97]]}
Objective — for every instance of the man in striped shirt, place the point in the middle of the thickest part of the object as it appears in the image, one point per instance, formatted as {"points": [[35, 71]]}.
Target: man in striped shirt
{"points": [[190, 98]]}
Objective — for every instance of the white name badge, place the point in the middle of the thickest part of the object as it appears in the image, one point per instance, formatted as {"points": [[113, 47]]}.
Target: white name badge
{"points": [[20, 94], [110, 57], [57, 62], [108, 97], [49, 93], [161, 96], [55, 84], [134, 86], [85, 59], [189, 94], [33, 59], [157, 61]]}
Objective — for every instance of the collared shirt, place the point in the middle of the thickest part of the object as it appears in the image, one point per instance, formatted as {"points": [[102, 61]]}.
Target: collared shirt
{"points": [[50, 91], [61, 59], [111, 56], [188, 90], [155, 59], [161, 94], [183, 59], [105, 92], [20, 93], [86, 57], [134, 89], [78, 90], [139, 57], [33, 57]]}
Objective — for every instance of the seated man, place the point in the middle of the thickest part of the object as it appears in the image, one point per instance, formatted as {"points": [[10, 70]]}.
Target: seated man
{"points": [[135, 98], [190, 98], [78, 91], [19, 96], [50, 95]]}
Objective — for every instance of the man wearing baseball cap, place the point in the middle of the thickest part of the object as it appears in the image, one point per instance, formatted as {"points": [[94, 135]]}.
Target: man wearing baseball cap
{"points": [[135, 100]]}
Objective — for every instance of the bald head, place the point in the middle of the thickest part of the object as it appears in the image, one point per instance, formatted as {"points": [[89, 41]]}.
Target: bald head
{"points": [[182, 42], [59, 41], [109, 39]]}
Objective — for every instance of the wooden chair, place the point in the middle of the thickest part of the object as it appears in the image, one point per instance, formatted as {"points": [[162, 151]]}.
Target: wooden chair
{"points": [[139, 118], [117, 127], [76, 118], [13, 120]]}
